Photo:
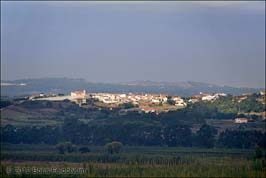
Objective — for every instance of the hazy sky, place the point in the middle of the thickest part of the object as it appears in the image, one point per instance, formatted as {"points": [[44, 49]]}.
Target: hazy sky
{"points": [[215, 42]]}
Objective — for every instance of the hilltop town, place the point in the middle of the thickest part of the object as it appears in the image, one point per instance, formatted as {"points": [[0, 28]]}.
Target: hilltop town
{"points": [[148, 103], [113, 99], [152, 113], [217, 109]]}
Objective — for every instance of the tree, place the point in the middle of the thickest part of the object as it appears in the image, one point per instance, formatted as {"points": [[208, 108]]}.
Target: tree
{"points": [[9, 134], [61, 148], [127, 105], [114, 147], [66, 147], [242, 139], [84, 149], [171, 102], [206, 136], [177, 135], [258, 152], [70, 147], [66, 100], [4, 103]]}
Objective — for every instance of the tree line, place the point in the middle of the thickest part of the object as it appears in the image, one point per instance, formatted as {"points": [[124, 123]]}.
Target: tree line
{"points": [[79, 133], [173, 128]]}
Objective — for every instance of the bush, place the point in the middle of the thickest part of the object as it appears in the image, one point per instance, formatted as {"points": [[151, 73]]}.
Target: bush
{"points": [[127, 105], [66, 147], [70, 148], [114, 147], [61, 148], [84, 149], [4, 103], [171, 102], [258, 152]]}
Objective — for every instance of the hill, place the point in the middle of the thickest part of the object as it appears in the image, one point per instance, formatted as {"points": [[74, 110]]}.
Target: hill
{"points": [[65, 85]]}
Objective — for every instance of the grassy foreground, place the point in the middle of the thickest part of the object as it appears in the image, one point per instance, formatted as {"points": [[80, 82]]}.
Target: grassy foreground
{"points": [[200, 168], [132, 162]]}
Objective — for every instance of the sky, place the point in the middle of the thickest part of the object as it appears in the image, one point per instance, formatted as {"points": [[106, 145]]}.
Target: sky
{"points": [[217, 42]]}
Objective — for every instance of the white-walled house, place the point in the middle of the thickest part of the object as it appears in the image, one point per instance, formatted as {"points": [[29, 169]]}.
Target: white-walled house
{"points": [[179, 101], [79, 96], [80, 93], [241, 120], [208, 97]]}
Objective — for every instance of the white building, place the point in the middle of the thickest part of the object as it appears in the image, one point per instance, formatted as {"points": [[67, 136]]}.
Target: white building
{"points": [[208, 97], [155, 101], [179, 101], [80, 93], [241, 120], [78, 97]]}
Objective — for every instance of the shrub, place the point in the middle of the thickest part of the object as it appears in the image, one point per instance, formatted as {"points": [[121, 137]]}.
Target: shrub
{"points": [[66, 147], [114, 147], [61, 148], [84, 149], [258, 152]]}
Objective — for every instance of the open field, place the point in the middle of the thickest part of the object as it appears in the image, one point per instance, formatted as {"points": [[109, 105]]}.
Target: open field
{"points": [[135, 162], [227, 168], [224, 124]]}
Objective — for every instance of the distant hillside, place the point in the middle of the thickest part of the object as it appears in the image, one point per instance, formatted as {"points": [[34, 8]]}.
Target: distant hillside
{"points": [[65, 85]]}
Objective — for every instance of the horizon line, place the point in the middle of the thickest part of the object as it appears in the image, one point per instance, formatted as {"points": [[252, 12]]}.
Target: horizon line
{"points": [[124, 82]]}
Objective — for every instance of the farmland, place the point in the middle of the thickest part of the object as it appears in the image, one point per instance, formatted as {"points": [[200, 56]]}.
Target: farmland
{"points": [[132, 89], [136, 161], [200, 140]]}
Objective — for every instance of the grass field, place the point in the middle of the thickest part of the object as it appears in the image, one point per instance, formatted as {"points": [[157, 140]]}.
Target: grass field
{"points": [[131, 162], [223, 124]]}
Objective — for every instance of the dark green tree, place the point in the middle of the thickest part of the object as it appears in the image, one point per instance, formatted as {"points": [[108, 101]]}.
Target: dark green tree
{"points": [[114, 147], [206, 136], [61, 148], [84, 149], [258, 152], [66, 147]]}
